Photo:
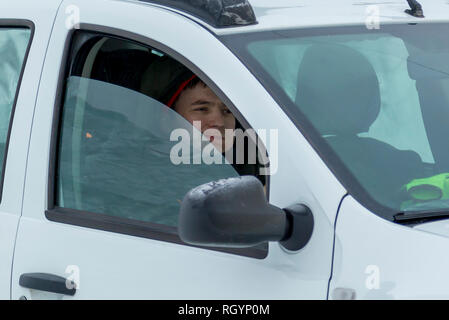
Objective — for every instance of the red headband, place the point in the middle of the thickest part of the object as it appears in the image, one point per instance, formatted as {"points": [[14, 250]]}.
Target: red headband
{"points": [[178, 92]]}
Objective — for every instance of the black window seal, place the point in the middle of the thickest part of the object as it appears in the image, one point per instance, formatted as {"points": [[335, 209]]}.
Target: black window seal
{"points": [[15, 23], [106, 222], [218, 14]]}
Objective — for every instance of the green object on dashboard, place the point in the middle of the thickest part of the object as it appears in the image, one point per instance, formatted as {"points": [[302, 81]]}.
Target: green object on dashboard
{"points": [[431, 188]]}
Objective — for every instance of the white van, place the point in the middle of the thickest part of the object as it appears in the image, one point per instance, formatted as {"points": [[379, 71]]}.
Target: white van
{"points": [[349, 100]]}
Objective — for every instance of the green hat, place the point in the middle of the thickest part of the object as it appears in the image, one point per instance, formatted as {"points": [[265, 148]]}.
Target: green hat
{"points": [[431, 188]]}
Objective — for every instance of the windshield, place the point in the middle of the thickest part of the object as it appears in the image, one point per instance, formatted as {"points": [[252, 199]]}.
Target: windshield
{"points": [[373, 103]]}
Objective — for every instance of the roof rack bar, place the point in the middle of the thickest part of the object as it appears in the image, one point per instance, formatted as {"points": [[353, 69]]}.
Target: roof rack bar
{"points": [[415, 9], [218, 13]]}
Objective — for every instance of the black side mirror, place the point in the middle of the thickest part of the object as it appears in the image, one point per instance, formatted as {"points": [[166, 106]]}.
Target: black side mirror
{"points": [[234, 213]]}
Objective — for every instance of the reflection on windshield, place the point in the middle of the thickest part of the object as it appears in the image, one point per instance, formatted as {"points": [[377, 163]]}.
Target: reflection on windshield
{"points": [[13, 46], [378, 99]]}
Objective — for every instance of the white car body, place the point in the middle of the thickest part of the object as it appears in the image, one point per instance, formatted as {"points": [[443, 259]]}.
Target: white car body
{"points": [[352, 253]]}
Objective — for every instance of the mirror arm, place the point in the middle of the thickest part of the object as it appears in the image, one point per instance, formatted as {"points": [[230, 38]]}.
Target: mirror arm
{"points": [[300, 227]]}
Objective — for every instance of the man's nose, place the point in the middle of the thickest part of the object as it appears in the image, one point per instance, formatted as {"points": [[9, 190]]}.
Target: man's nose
{"points": [[216, 118]]}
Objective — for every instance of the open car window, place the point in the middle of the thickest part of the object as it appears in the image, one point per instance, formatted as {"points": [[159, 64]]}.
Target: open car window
{"points": [[123, 159], [119, 154]]}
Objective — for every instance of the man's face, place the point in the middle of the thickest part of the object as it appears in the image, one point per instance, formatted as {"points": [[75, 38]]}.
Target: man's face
{"points": [[201, 104]]}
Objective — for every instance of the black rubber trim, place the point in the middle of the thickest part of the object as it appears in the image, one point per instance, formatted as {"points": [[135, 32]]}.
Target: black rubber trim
{"points": [[110, 223], [415, 9], [47, 282], [217, 13], [412, 219], [301, 223], [15, 23]]}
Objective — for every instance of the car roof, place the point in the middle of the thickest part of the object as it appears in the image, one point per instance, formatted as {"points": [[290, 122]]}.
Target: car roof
{"points": [[288, 14], [292, 14]]}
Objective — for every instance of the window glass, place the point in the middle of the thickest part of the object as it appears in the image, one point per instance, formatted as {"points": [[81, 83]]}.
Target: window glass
{"points": [[123, 151], [373, 102], [116, 153], [399, 122], [13, 46]]}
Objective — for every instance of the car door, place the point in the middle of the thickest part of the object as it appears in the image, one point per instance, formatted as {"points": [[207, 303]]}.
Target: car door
{"points": [[24, 34], [73, 231]]}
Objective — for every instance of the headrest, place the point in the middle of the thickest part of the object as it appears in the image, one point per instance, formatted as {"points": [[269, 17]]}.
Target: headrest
{"points": [[122, 67], [163, 77], [338, 89]]}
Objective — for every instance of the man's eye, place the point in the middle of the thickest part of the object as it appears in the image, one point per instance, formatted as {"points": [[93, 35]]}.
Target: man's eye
{"points": [[200, 109]]}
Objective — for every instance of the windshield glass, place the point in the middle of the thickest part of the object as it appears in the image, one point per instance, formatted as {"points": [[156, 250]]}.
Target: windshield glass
{"points": [[373, 103]]}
